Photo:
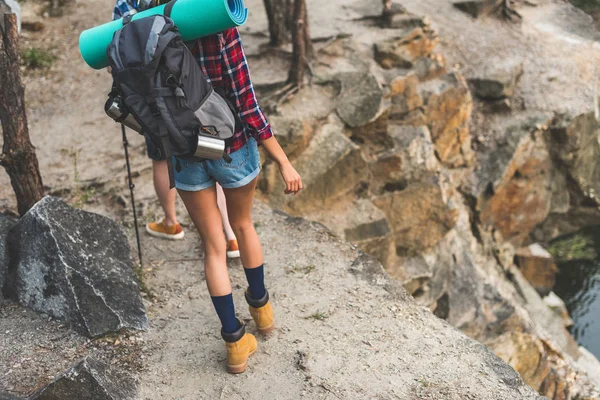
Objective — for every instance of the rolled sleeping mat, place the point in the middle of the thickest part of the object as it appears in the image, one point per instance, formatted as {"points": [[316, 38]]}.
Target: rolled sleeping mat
{"points": [[193, 18]]}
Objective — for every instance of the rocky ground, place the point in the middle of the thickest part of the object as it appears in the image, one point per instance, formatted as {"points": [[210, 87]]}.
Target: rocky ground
{"points": [[328, 308]]}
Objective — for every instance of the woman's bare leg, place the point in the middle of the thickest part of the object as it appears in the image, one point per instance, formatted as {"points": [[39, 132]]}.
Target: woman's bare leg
{"points": [[239, 207], [202, 207]]}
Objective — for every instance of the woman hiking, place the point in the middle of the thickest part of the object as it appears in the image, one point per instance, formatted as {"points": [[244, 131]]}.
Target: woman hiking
{"points": [[222, 60]]}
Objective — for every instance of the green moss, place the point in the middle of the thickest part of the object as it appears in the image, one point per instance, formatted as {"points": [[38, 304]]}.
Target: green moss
{"points": [[34, 58], [579, 246]]}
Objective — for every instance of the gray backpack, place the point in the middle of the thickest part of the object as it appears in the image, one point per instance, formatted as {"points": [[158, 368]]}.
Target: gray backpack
{"points": [[158, 81]]}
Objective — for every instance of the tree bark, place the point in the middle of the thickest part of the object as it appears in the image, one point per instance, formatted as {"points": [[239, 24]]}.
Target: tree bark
{"points": [[302, 44], [18, 154], [387, 14], [280, 16]]}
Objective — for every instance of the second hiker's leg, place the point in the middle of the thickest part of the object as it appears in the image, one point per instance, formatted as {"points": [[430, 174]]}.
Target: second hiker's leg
{"points": [[166, 196]]}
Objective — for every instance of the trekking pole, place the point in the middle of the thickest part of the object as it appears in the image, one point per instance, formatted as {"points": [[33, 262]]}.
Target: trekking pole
{"points": [[131, 186]]}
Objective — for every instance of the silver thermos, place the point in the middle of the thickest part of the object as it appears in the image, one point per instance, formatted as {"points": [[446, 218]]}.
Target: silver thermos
{"points": [[114, 110]]}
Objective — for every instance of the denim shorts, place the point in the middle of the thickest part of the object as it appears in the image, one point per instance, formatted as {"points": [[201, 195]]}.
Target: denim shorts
{"points": [[194, 176]]}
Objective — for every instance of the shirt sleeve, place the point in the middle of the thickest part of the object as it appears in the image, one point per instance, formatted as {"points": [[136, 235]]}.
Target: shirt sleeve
{"points": [[122, 9], [236, 79]]}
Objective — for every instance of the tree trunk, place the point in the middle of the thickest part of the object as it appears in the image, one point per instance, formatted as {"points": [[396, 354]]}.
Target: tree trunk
{"points": [[387, 14], [18, 154], [280, 16], [302, 44]]}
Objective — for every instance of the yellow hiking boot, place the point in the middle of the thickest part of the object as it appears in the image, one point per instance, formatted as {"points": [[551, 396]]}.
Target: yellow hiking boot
{"points": [[262, 313], [240, 345]]}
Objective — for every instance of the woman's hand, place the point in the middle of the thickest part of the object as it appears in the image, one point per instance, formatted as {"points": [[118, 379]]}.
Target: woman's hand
{"points": [[293, 182]]}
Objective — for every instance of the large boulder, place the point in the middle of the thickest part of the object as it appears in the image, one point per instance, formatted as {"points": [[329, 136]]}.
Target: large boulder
{"points": [[403, 51], [404, 92], [418, 214], [575, 145], [91, 380], [538, 267], [331, 167], [74, 266], [293, 134], [411, 158], [518, 194], [477, 8], [361, 98], [497, 82], [5, 224], [448, 112], [363, 224]]}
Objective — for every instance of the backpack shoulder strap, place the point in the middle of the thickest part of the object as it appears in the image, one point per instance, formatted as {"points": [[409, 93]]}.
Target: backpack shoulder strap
{"points": [[169, 8]]}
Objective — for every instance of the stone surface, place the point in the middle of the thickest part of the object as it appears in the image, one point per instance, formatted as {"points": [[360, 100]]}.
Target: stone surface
{"points": [[10, 7], [477, 8], [293, 134], [419, 216], [74, 266], [411, 158], [432, 67], [6, 223], [497, 83], [557, 305], [361, 98], [8, 396], [575, 145], [403, 51], [362, 224], [91, 380], [448, 111], [405, 96], [538, 267], [521, 197], [331, 167]]}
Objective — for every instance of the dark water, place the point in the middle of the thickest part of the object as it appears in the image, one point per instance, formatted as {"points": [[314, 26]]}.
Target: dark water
{"points": [[578, 283]]}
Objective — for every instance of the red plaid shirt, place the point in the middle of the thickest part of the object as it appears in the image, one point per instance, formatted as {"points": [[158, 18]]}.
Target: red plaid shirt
{"points": [[224, 63]]}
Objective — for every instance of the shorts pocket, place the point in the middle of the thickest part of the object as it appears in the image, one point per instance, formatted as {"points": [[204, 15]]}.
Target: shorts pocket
{"points": [[179, 164], [238, 158]]}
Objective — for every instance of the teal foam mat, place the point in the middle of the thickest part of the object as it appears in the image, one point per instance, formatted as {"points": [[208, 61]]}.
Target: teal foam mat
{"points": [[194, 18]]}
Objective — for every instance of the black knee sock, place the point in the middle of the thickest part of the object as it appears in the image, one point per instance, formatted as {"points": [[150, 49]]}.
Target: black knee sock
{"points": [[226, 312], [256, 281]]}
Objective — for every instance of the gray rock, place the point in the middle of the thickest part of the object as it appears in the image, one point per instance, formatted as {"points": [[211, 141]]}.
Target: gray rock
{"points": [[477, 8], [404, 50], [5, 224], [497, 83], [575, 146], [10, 7], [74, 266], [91, 380], [8, 396], [293, 134], [361, 98]]}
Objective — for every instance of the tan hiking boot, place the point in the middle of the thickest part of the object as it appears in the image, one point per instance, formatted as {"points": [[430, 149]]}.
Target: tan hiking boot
{"points": [[240, 346], [262, 313], [159, 229]]}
